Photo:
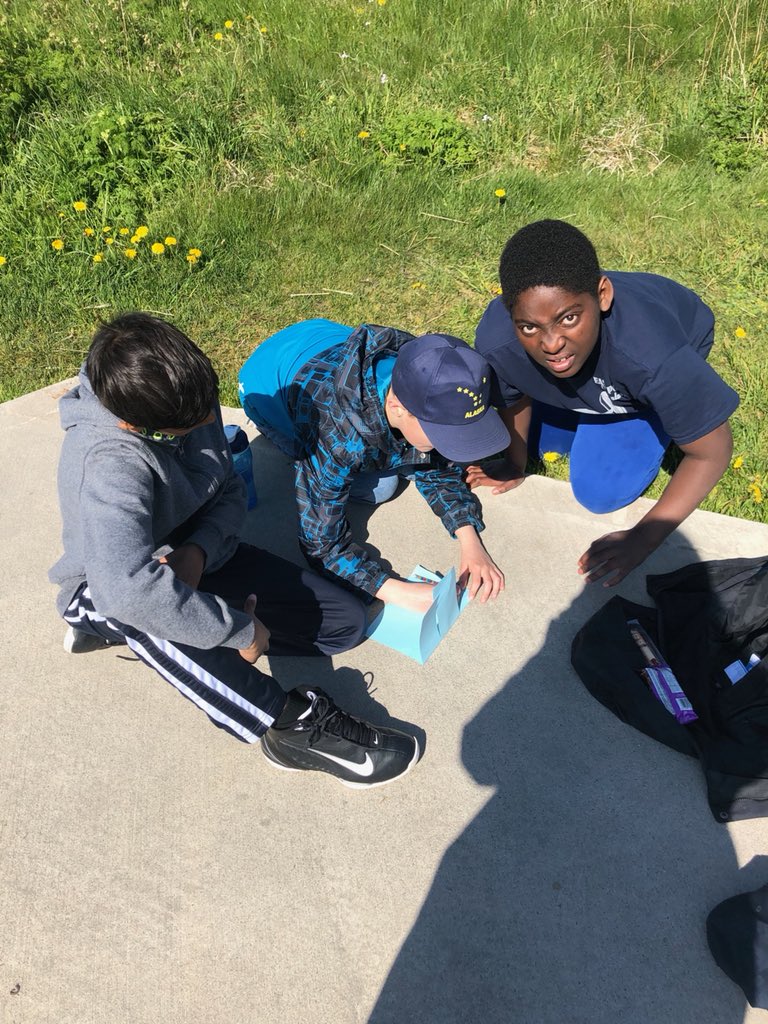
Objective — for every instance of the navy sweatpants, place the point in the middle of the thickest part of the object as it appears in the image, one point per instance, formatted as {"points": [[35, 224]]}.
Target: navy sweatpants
{"points": [[305, 614]]}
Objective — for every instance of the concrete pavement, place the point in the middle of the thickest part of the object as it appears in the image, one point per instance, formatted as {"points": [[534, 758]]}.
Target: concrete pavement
{"points": [[542, 864]]}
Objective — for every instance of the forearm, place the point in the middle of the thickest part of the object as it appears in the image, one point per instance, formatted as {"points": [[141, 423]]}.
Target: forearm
{"points": [[216, 527], [447, 494], [691, 482], [468, 538], [517, 420]]}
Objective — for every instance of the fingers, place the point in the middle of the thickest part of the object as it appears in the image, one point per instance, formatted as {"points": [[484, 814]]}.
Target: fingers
{"points": [[604, 570], [483, 582], [479, 479], [250, 604], [508, 485]]}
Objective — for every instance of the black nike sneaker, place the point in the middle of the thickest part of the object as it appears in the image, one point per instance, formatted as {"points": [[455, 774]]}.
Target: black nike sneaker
{"points": [[313, 734]]}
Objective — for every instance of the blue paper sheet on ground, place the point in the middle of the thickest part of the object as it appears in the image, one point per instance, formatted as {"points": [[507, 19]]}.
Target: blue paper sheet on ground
{"points": [[418, 634]]}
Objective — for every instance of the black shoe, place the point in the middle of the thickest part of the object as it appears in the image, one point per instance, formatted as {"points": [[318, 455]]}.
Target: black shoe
{"points": [[77, 641], [326, 739]]}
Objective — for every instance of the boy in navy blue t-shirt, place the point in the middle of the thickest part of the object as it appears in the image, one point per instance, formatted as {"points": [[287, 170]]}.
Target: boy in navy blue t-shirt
{"points": [[612, 366]]}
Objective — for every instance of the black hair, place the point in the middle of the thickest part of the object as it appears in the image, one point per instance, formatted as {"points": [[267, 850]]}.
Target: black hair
{"points": [[551, 253], [147, 372]]}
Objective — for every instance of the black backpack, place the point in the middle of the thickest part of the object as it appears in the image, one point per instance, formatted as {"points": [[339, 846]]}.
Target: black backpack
{"points": [[707, 615]]}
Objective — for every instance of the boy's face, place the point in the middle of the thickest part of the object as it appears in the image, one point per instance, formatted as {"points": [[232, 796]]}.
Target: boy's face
{"points": [[559, 329], [169, 431], [400, 419], [413, 433]]}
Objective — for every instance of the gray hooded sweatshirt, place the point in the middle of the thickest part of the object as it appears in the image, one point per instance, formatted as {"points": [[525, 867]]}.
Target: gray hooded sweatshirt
{"points": [[125, 500]]}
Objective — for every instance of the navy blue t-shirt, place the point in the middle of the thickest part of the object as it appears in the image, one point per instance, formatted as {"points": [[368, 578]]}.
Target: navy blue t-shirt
{"points": [[651, 354]]}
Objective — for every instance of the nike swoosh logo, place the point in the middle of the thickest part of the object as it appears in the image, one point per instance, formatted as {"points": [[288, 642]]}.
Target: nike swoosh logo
{"points": [[364, 769]]}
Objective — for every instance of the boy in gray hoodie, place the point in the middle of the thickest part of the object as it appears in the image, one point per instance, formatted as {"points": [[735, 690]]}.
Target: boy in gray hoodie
{"points": [[152, 512]]}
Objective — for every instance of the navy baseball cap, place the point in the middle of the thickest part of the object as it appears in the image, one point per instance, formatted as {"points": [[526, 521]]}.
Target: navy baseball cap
{"points": [[445, 384]]}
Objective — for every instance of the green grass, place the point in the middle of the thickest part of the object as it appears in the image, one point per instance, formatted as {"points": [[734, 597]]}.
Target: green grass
{"points": [[643, 122]]}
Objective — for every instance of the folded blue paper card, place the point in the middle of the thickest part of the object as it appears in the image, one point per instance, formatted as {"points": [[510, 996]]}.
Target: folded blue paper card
{"points": [[418, 634]]}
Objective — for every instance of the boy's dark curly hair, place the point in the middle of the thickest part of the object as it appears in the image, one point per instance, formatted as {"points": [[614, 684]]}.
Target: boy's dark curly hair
{"points": [[548, 252], [147, 372]]}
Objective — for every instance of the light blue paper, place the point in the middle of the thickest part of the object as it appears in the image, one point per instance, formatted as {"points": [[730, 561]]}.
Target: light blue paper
{"points": [[417, 635]]}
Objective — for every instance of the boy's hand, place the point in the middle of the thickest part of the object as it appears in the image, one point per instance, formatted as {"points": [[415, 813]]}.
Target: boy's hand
{"points": [[477, 570], [414, 597], [188, 563], [260, 644], [615, 555], [499, 474]]}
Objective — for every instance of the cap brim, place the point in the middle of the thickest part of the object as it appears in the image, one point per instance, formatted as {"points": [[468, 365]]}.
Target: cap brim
{"points": [[471, 441]]}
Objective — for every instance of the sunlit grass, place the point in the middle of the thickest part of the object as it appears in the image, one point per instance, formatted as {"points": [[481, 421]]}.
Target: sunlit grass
{"points": [[346, 160]]}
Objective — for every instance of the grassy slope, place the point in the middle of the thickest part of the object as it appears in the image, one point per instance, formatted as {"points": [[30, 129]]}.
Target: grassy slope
{"points": [[641, 122]]}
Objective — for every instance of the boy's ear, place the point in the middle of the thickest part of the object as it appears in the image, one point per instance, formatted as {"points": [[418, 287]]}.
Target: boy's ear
{"points": [[604, 294], [392, 403]]}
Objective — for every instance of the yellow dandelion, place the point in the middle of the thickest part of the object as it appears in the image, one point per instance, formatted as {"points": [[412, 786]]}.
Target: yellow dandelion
{"points": [[197, 253], [191, 258], [97, 257], [218, 36], [109, 241], [500, 193], [57, 244], [135, 239], [80, 206], [738, 462], [157, 248], [756, 492], [170, 240], [381, 3], [62, 214], [402, 147], [107, 229], [229, 23], [87, 232], [3, 261], [130, 254], [363, 135], [551, 456], [740, 332], [495, 290], [418, 284], [142, 231], [125, 231], [263, 30]]}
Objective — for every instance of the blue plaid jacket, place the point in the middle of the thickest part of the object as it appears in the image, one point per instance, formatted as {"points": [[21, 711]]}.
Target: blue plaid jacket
{"points": [[341, 430]]}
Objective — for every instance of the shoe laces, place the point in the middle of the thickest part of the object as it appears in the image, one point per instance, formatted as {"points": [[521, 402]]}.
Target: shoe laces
{"points": [[326, 717]]}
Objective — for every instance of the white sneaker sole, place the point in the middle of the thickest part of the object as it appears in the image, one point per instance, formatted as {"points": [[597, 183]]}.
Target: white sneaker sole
{"points": [[345, 782]]}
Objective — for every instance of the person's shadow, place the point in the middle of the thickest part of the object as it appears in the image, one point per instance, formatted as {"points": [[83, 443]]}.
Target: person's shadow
{"points": [[273, 524], [578, 895]]}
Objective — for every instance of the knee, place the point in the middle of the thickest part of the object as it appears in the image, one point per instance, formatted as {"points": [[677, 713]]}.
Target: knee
{"points": [[386, 488], [603, 495], [372, 489], [348, 628]]}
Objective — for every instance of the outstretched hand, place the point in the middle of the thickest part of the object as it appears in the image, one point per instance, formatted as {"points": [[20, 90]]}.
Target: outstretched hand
{"points": [[480, 574], [498, 474], [612, 557]]}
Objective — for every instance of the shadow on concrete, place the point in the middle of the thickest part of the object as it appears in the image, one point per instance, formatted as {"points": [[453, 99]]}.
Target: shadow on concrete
{"points": [[273, 524], [578, 895]]}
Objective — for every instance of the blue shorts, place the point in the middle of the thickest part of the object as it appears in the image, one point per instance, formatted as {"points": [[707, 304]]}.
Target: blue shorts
{"points": [[611, 459]]}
